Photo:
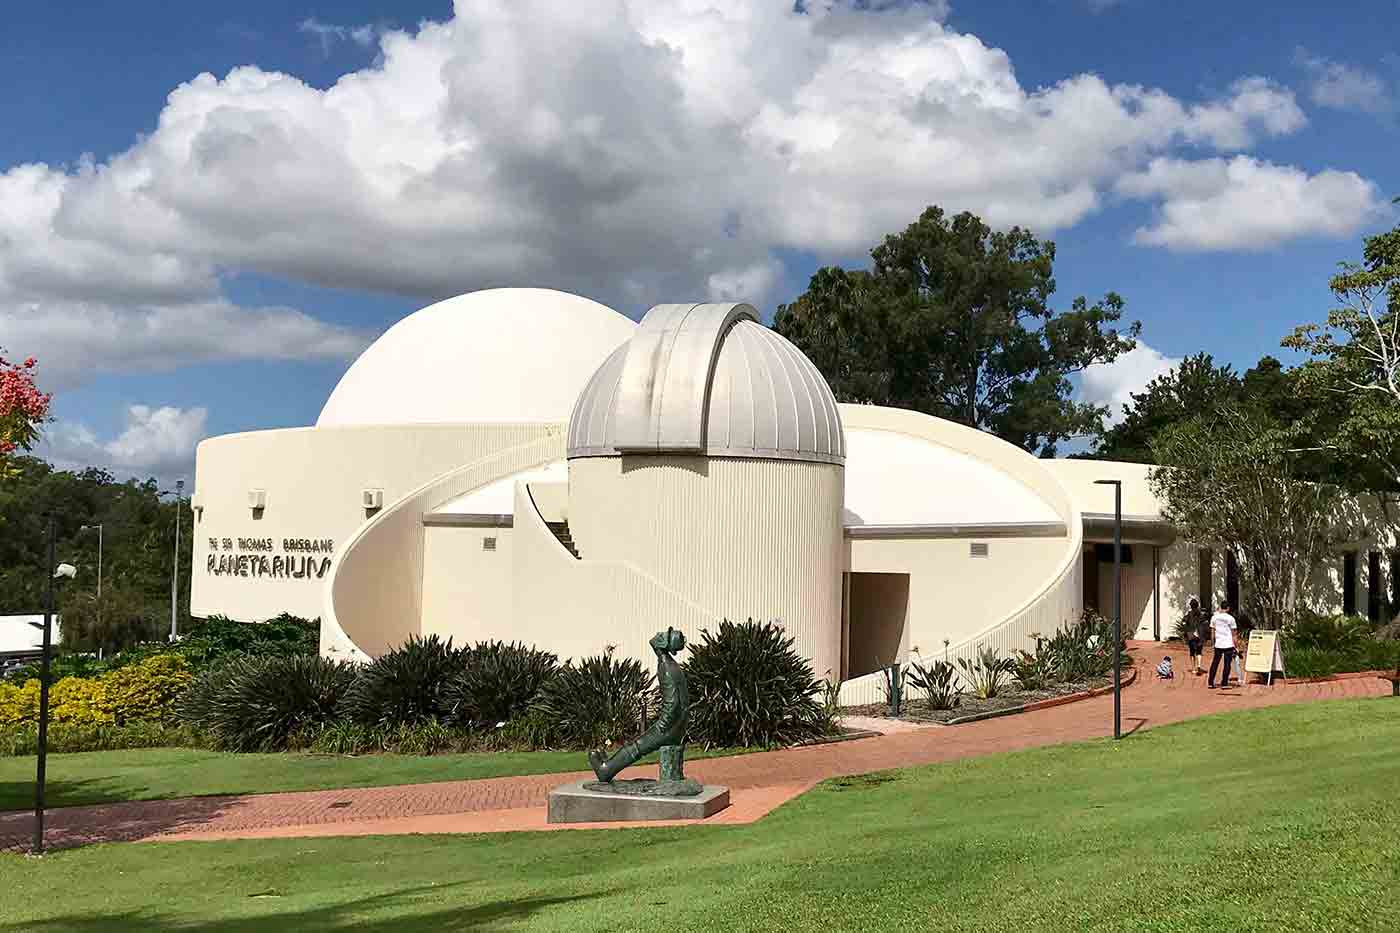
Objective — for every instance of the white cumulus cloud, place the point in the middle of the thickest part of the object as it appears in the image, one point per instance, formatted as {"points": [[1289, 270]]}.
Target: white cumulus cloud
{"points": [[1113, 384], [631, 150], [1342, 86], [156, 442], [1246, 204]]}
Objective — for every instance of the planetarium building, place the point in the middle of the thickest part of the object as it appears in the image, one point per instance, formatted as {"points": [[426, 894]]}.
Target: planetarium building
{"points": [[530, 465]]}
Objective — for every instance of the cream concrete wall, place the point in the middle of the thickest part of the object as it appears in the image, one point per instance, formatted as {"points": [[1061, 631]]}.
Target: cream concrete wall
{"points": [[468, 594], [1025, 585], [742, 538], [374, 598], [314, 478], [577, 608]]}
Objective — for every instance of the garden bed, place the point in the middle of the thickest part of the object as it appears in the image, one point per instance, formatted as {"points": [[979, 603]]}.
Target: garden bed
{"points": [[1013, 700]]}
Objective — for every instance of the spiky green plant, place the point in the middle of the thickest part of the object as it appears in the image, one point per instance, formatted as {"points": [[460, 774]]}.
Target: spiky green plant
{"points": [[255, 704], [749, 688], [986, 673], [939, 683], [596, 702], [405, 685], [496, 684]]}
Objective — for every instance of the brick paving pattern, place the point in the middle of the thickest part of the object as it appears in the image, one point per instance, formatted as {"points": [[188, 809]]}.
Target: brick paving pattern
{"points": [[758, 782]]}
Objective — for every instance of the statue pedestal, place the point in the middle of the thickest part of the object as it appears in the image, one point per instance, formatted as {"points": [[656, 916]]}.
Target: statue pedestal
{"points": [[575, 803]]}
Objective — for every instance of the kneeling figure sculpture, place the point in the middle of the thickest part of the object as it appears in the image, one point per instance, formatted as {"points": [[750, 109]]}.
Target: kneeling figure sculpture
{"points": [[666, 734]]}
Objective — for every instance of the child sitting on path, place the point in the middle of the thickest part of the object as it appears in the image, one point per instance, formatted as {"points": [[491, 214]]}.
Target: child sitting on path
{"points": [[1164, 670]]}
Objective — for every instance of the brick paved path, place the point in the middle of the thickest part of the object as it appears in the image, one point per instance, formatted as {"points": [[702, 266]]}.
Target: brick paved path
{"points": [[757, 782]]}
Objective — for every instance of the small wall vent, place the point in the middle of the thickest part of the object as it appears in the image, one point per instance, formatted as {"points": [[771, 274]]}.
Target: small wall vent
{"points": [[979, 549], [488, 544]]}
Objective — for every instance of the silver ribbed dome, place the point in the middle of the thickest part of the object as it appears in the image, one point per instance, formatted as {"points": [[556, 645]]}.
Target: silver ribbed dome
{"points": [[707, 378]]}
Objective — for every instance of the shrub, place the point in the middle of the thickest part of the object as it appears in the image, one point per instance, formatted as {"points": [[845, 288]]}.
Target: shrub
{"points": [[1032, 670], [405, 685], [986, 673], [145, 691], [1081, 650], [96, 737], [939, 683], [257, 703], [141, 692], [1330, 633], [749, 688], [218, 637], [596, 702], [496, 683]]}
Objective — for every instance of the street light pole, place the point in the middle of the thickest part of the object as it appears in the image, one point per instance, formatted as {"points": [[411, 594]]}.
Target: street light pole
{"points": [[99, 573], [44, 672], [175, 560], [1117, 603]]}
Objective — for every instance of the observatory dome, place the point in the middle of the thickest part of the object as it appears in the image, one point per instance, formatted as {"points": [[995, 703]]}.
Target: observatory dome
{"points": [[707, 378]]}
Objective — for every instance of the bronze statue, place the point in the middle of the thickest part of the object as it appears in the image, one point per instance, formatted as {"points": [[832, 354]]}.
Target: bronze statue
{"points": [[666, 734]]}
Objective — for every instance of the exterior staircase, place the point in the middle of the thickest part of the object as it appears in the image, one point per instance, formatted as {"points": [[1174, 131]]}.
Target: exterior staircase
{"points": [[561, 531]]}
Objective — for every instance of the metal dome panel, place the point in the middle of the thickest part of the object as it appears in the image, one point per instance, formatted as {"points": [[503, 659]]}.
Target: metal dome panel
{"points": [[711, 379]]}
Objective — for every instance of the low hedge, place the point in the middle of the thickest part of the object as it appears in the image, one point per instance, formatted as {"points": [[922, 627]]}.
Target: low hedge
{"points": [[1374, 655], [143, 692], [96, 737]]}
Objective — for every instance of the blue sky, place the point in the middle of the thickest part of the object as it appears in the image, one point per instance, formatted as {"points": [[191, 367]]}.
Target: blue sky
{"points": [[179, 278]]}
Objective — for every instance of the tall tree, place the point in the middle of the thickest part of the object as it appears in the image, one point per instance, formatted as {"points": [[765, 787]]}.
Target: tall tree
{"points": [[1230, 480], [1356, 365], [954, 319], [1195, 387]]}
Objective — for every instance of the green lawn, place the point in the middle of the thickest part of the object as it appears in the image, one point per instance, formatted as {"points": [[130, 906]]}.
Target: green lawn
{"points": [[156, 773], [1280, 819]]}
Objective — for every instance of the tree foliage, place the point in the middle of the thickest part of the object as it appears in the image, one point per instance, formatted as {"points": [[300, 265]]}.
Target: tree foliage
{"points": [[1356, 365], [1231, 481], [954, 319], [137, 541]]}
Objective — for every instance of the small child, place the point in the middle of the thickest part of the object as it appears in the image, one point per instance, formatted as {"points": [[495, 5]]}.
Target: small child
{"points": [[1164, 670]]}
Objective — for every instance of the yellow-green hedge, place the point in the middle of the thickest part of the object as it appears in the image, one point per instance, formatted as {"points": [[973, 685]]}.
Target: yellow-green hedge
{"points": [[137, 692]]}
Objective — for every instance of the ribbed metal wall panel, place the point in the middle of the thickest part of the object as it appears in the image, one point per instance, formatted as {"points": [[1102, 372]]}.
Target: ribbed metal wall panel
{"points": [[740, 538]]}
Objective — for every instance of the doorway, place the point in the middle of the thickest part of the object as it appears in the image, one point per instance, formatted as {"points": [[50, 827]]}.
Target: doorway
{"points": [[876, 619]]}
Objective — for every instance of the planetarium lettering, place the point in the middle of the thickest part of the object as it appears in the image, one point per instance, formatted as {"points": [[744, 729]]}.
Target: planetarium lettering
{"points": [[256, 558]]}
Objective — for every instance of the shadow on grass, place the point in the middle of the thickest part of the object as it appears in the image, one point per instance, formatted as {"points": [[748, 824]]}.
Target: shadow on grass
{"points": [[393, 911], [115, 822]]}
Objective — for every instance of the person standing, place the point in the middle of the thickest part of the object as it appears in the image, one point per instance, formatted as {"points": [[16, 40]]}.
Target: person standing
{"points": [[1197, 630], [1223, 627]]}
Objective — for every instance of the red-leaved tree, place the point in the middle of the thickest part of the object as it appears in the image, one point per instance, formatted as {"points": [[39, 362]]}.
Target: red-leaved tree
{"points": [[22, 408]]}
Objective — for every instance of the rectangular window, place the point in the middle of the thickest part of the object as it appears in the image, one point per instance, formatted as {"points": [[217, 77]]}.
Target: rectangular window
{"points": [[1375, 593], [979, 549], [1349, 583], [1104, 553], [488, 544]]}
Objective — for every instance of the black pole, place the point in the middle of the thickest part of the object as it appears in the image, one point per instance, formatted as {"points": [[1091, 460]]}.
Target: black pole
{"points": [[1117, 610], [44, 669]]}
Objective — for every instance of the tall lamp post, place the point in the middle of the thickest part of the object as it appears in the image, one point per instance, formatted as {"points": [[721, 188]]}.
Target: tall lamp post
{"points": [[1117, 603], [98, 528], [45, 675], [175, 561]]}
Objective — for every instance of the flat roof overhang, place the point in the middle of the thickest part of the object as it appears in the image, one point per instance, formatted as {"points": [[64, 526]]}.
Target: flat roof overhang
{"points": [[1137, 529]]}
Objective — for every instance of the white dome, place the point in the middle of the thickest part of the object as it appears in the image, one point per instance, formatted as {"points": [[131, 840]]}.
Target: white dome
{"points": [[504, 355]]}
